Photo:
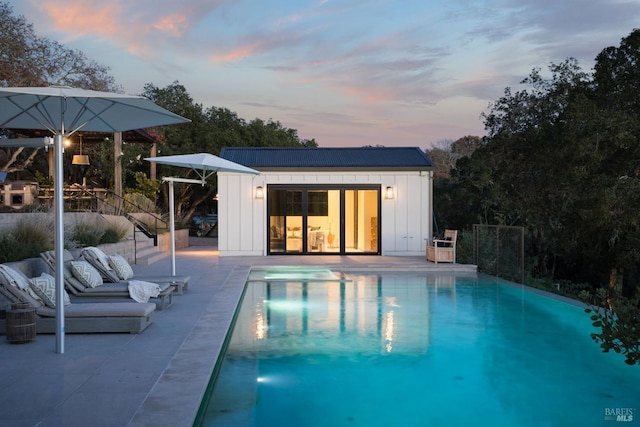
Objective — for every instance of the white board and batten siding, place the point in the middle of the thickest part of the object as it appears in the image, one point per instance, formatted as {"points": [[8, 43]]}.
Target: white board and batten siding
{"points": [[406, 220]]}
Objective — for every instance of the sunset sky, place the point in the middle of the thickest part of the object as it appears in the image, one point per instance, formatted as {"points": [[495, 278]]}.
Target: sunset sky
{"points": [[345, 72]]}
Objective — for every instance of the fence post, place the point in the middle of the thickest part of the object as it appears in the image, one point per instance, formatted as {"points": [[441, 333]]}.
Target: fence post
{"points": [[498, 251]]}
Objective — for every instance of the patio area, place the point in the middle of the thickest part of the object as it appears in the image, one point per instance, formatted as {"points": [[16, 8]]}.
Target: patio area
{"points": [[158, 377]]}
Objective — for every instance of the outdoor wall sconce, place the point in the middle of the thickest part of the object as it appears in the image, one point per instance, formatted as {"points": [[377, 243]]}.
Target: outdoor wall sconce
{"points": [[388, 194], [259, 192]]}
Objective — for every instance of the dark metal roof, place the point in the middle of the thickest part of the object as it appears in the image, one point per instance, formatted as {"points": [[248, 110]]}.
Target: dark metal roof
{"points": [[366, 158]]}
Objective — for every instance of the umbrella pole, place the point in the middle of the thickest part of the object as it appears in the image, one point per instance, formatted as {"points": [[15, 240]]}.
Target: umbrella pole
{"points": [[59, 242], [172, 231], [172, 221]]}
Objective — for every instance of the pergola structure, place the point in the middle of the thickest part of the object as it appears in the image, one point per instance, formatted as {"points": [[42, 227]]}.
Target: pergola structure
{"points": [[88, 138]]}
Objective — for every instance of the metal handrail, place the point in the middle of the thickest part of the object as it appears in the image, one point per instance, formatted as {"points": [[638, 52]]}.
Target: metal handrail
{"points": [[86, 198]]}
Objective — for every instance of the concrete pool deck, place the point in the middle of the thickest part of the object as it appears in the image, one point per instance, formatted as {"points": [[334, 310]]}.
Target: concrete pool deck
{"points": [[158, 377]]}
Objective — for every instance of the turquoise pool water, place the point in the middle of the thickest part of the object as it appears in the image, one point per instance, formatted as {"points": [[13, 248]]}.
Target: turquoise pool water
{"points": [[423, 349]]}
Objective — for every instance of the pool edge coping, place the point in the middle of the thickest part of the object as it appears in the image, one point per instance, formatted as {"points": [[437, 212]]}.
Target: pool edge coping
{"points": [[203, 343]]}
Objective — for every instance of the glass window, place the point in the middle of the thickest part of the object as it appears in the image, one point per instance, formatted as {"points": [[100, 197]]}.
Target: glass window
{"points": [[312, 219]]}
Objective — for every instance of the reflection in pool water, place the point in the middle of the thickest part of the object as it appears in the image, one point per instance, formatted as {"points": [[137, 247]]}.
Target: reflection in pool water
{"points": [[426, 349]]}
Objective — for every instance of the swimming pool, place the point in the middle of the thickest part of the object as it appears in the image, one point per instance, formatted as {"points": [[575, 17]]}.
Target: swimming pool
{"points": [[414, 349]]}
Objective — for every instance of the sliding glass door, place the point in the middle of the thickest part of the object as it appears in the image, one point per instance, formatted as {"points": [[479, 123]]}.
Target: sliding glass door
{"points": [[323, 219], [361, 220]]}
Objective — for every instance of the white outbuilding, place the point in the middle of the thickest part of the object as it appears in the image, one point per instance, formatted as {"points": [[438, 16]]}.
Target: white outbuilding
{"points": [[370, 200]]}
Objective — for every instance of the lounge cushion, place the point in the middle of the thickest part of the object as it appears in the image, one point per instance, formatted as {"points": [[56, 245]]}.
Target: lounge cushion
{"points": [[86, 274], [14, 277], [45, 287], [121, 267], [102, 309], [99, 255], [17, 279]]}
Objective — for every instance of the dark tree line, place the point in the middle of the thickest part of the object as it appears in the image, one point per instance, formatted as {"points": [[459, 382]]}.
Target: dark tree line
{"points": [[561, 158]]}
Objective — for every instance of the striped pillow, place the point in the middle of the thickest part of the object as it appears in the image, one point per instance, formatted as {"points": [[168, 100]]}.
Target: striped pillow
{"points": [[86, 273], [121, 267], [45, 287]]}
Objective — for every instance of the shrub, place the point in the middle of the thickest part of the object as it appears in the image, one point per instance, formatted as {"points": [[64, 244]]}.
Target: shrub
{"points": [[39, 232], [115, 231], [109, 236], [618, 320], [27, 240], [7, 246], [85, 234], [464, 247], [137, 202], [149, 188]]}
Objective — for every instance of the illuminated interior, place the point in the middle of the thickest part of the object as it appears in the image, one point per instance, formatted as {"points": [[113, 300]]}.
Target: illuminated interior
{"points": [[320, 219]]}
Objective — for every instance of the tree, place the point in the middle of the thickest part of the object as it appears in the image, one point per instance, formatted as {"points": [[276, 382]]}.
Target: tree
{"points": [[561, 159], [445, 154], [606, 123], [619, 321], [27, 59], [208, 132]]}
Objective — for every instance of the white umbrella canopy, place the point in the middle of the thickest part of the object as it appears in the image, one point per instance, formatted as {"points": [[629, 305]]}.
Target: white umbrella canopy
{"points": [[63, 111], [204, 165]]}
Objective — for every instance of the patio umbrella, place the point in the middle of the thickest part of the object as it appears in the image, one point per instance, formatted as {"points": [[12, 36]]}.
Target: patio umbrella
{"points": [[63, 111], [204, 165]]}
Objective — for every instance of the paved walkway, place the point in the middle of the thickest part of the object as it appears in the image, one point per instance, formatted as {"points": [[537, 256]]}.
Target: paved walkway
{"points": [[158, 377]]}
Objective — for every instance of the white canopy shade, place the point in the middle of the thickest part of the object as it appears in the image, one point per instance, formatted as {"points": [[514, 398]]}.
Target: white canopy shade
{"points": [[204, 164]]}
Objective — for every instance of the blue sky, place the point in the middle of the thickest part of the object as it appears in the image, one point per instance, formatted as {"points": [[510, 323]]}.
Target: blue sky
{"points": [[345, 72]]}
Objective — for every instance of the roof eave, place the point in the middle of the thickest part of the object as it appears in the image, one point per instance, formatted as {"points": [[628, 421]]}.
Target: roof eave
{"points": [[346, 169]]}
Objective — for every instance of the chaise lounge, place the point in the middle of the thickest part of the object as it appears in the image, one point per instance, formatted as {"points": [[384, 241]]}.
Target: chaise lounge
{"points": [[114, 268], [91, 288], [129, 317]]}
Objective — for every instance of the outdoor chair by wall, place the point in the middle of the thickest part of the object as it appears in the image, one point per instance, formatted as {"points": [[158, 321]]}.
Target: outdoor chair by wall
{"points": [[105, 265], [129, 317], [443, 250], [77, 290]]}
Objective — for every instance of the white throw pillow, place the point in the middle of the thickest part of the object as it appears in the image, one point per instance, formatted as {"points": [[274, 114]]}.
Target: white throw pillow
{"points": [[45, 287], [20, 281], [86, 273], [120, 265], [15, 278], [100, 255]]}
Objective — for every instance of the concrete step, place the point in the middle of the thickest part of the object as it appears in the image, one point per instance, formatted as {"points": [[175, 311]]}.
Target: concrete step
{"points": [[150, 258], [147, 253]]}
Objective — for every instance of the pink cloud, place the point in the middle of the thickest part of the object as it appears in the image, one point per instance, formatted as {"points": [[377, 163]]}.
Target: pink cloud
{"points": [[116, 21], [369, 95], [174, 25], [81, 18], [259, 43], [239, 53]]}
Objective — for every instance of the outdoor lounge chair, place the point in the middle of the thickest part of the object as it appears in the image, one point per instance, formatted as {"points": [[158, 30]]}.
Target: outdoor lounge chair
{"points": [[79, 290], [115, 268], [443, 250], [130, 317]]}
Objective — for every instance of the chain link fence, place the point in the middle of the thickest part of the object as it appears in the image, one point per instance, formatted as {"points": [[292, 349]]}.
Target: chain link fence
{"points": [[499, 250]]}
